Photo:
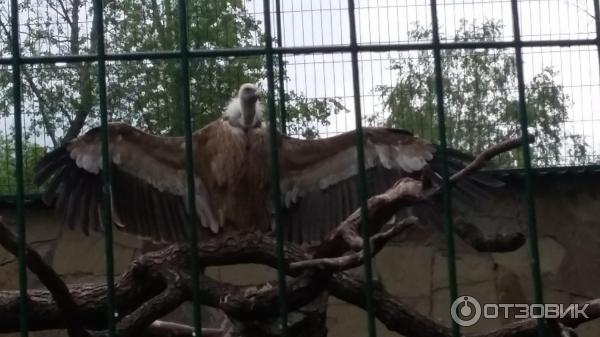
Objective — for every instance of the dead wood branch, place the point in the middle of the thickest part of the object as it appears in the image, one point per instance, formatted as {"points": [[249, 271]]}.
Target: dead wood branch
{"points": [[170, 329], [136, 287], [49, 279], [345, 262], [146, 292], [484, 157], [407, 192], [380, 209], [504, 242]]}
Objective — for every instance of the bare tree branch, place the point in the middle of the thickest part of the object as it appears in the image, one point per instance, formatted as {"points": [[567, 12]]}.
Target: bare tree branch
{"points": [[380, 209], [162, 329], [254, 302], [168, 300], [86, 101], [345, 262], [503, 242], [50, 131], [407, 192], [487, 155], [49, 278], [63, 12]]}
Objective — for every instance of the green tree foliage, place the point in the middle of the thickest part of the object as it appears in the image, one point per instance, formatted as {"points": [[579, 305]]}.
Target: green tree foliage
{"points": [[153, 25], [60, 100], [31, 154], [144, 93], [305, 115], [481, 102]]}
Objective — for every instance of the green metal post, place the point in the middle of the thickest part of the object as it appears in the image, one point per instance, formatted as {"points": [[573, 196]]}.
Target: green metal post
{"points": [[529, 188], [275, 190], [189, 163], [16, 79], [106, 166], [597, 22], [281, 69], [447, 201], [361, 182]]}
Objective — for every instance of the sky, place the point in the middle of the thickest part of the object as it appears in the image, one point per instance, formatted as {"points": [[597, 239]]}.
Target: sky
{"points": [[314, 23], [325, 22]]}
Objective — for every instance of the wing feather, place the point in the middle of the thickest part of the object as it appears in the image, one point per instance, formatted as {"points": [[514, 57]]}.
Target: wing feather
{"points": [[73, 208], [149, 182], [319, 187]]}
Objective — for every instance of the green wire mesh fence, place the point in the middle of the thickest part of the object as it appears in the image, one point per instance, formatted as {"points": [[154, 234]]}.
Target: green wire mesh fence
{"points": [[341, 55]]}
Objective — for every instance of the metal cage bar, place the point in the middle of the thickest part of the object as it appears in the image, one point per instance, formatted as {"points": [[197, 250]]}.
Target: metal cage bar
{"points": [[193, 220], [281, 70], [258, 51], [362, 176], [21, 229], [529, 188], [275, 188], [597, 24], [447, 198], [106, 174]]}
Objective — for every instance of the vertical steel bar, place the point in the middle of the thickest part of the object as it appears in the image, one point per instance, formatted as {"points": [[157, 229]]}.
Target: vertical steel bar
{"points": [[189, 162], [281, 70], [106, 177], [597, 21], [361, 182], [275, 190], [529, 188], [447, 201], [16, 82]]}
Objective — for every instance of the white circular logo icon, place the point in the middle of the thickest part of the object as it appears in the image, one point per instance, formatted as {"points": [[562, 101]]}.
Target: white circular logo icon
{"points": [[465, 311]]}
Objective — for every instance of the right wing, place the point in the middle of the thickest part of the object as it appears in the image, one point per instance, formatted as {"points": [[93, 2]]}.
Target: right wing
{"points": [[148, 183]]}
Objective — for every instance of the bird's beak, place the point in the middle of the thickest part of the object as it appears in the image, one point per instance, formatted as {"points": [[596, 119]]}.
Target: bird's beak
{"points": [[252, 97], [255, 97]]}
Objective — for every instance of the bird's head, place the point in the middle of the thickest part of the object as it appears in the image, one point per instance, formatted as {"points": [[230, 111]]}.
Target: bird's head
{"points": [[245, 109]]}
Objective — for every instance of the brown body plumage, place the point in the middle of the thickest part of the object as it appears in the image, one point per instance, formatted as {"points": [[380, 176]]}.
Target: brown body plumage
{"points": [[235, 173]]}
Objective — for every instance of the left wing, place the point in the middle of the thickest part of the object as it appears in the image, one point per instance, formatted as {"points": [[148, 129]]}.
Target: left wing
{"points": [[318, 181]]}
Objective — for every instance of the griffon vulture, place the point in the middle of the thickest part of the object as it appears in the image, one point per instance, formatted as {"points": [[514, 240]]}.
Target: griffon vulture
{"points": [[232, 172]]}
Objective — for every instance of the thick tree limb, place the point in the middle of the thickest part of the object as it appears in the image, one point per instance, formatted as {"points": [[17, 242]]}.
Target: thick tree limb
{"points": [[345, 262], [57, 308], [487, 155], [257, 301], [168, 300], [504, 242], [49, 278], [381, 208], [407, 192], [170, 329], [406, 321], [162, 329]]}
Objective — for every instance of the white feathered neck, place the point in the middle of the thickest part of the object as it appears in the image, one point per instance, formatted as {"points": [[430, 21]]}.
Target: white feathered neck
{"points": [[233, 112]]}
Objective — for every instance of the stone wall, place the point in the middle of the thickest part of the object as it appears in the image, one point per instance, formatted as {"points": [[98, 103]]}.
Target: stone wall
{"points": [[415, 270]]}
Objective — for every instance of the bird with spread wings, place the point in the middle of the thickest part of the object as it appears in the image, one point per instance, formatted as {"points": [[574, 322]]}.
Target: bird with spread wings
{"points": [[232, 176]]}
